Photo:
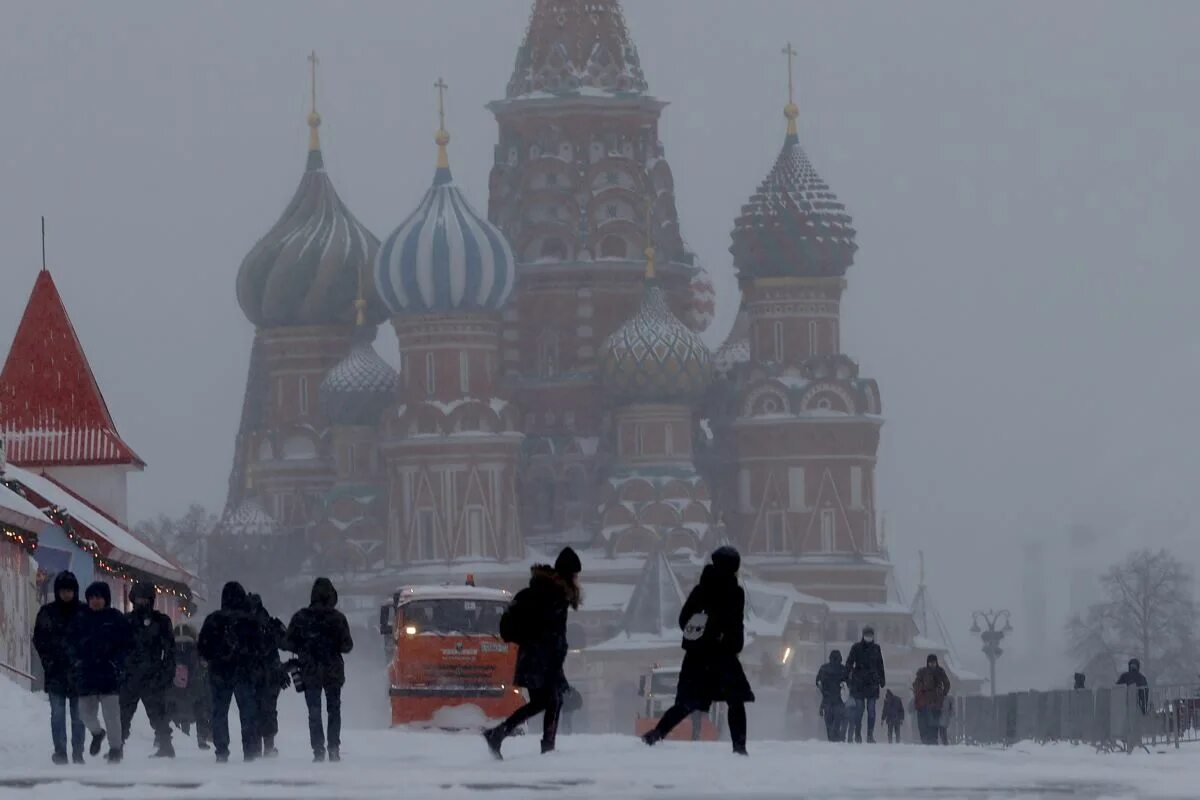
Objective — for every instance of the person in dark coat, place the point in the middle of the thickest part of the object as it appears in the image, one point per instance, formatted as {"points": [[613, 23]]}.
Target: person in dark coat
{"points": [[50, 641], [893, 716], [274, 677], [714, 632], [930, 689], [536, 621], [319, 636], [99, 643], [149, 669], [189, 698], [1134, 677], [865, 678], [232, 641], [1080, 680], [830, 679]]}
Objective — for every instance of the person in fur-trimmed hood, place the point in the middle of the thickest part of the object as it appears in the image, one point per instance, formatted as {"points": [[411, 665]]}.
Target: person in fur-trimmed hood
{"points": [[536, 621]]}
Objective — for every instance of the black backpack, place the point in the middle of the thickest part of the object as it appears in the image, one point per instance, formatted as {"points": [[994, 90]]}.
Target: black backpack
{"points": [[514, 625]]}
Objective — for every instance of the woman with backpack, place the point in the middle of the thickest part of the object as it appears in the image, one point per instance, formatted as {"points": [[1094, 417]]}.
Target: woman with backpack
{"points": [[713, 636], [536, 621]]}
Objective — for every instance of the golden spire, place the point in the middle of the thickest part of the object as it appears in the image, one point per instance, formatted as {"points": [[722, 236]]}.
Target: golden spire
{"points": [[649, 239], [314, 119], [442, 137], [791, 110]]}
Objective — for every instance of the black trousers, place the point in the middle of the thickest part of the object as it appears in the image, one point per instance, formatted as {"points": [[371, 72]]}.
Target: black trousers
{"points": [[893, 731], [544, 700], [268, 710], [155, 703], [225, 690], [333, 710], [835, 721], [680, 711]]}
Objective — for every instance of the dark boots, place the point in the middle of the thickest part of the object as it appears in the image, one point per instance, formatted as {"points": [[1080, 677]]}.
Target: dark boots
{"points": [[494, 738]]}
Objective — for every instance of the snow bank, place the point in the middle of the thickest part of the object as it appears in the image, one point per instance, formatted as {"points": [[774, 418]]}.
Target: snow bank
{"points": [[22, 714]]}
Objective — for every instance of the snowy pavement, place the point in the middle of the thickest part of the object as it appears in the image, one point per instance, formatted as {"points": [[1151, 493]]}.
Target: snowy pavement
{"points": [[399, 764]]}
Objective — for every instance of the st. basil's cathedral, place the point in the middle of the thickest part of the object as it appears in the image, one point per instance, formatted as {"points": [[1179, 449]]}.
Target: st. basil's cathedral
{"points": [[553, 388]]}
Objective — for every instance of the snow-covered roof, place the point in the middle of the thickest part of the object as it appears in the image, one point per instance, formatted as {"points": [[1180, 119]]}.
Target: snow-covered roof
{"points": [[115, 542], [19, 512], [847, 607]]}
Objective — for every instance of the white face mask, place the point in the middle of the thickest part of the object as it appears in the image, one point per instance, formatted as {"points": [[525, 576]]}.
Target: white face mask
{"points": [[868, 639]]}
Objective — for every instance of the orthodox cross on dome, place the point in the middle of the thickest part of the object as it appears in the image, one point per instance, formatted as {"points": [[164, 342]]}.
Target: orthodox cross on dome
{"points": [[314, 119], [791, 110], [649, 239], [442, 137]]}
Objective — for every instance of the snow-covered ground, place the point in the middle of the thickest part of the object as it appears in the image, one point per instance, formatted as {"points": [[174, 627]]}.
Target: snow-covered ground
{"points": [[391, 764]]}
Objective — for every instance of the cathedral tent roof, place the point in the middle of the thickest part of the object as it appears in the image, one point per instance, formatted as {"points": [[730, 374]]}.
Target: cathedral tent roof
{"points": [[577, 46], [51, 410], [656, 601]]}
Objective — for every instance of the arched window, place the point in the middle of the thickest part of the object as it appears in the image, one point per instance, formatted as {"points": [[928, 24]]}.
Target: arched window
{"points": [[303, 385], [778, 342], [464, 373], [613, 247], [430, 375], [553, 249]]}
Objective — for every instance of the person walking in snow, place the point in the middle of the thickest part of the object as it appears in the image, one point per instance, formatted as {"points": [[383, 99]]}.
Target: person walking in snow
{"points": [[149, 669], [50, 632], [830, 679], [714, 632], [893, 716], [866, 678], [536, 621], [233, 642], [320, 636], [274, 677], [189, 698], [945, 717], [929, 690], [1134, 677], [99, 643]]}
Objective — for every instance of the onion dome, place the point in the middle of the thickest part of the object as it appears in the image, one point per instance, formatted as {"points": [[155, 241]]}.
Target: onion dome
{"points": [[445, 257], [249, 519], [794, 225], [304, 271], [654, 357], [360, 386]]}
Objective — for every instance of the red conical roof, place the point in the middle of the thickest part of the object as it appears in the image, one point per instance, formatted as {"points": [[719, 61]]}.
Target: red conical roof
{"points": [[51, 409], [574, 45]]}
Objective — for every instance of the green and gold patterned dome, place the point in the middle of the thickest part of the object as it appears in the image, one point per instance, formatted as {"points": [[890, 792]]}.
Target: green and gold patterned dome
{"points": [[654, 357]]}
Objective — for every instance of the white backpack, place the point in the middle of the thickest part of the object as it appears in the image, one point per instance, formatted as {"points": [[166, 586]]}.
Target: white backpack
{"points": [[694, 630]]}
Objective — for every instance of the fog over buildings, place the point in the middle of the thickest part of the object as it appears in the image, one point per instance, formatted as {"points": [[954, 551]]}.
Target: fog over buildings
{"points": [[1023, 178]]}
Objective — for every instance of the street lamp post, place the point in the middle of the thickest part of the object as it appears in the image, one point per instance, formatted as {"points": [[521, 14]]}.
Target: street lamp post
{"points": [[991, 635]]}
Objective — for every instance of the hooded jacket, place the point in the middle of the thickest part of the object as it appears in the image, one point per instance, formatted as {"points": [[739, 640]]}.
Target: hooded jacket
{"points": [[232, 640], [99, 643], [540, 611], [893, 709], [864, 670], [151, 662], [188, 702], [50, 631], [319, 636], [930, 687], [712, 620], [830, 678]]}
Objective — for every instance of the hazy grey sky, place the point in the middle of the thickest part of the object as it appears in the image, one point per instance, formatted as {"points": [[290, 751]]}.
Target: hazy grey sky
{"points": [[1023, 177]]}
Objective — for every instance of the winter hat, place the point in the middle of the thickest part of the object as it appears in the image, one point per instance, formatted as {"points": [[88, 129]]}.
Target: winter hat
{"points": [[1135, 665], [142, 590], [835, 656], [568, 563], [66, 580], [323, 594], [99, 589], [727, 559]]}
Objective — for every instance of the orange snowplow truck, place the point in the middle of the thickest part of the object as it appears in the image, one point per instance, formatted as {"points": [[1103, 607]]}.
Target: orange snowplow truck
{"points": [[449, 667]]}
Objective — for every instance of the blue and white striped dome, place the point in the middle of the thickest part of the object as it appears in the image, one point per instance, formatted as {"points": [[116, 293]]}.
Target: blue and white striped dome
{"points": [[444, 257]]}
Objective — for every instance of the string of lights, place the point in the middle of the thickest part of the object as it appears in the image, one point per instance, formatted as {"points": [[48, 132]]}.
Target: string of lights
{"points": [[63, 521]]}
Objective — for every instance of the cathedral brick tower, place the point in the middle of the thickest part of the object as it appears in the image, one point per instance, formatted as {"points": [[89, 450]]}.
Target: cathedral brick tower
{"points": [[452, 446], [805, 425], [302, 286], [655, 370], [578, 158]]}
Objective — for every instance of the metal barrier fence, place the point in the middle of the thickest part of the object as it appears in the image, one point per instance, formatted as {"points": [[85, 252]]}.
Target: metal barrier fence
{"points": [[1118, 719]]}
